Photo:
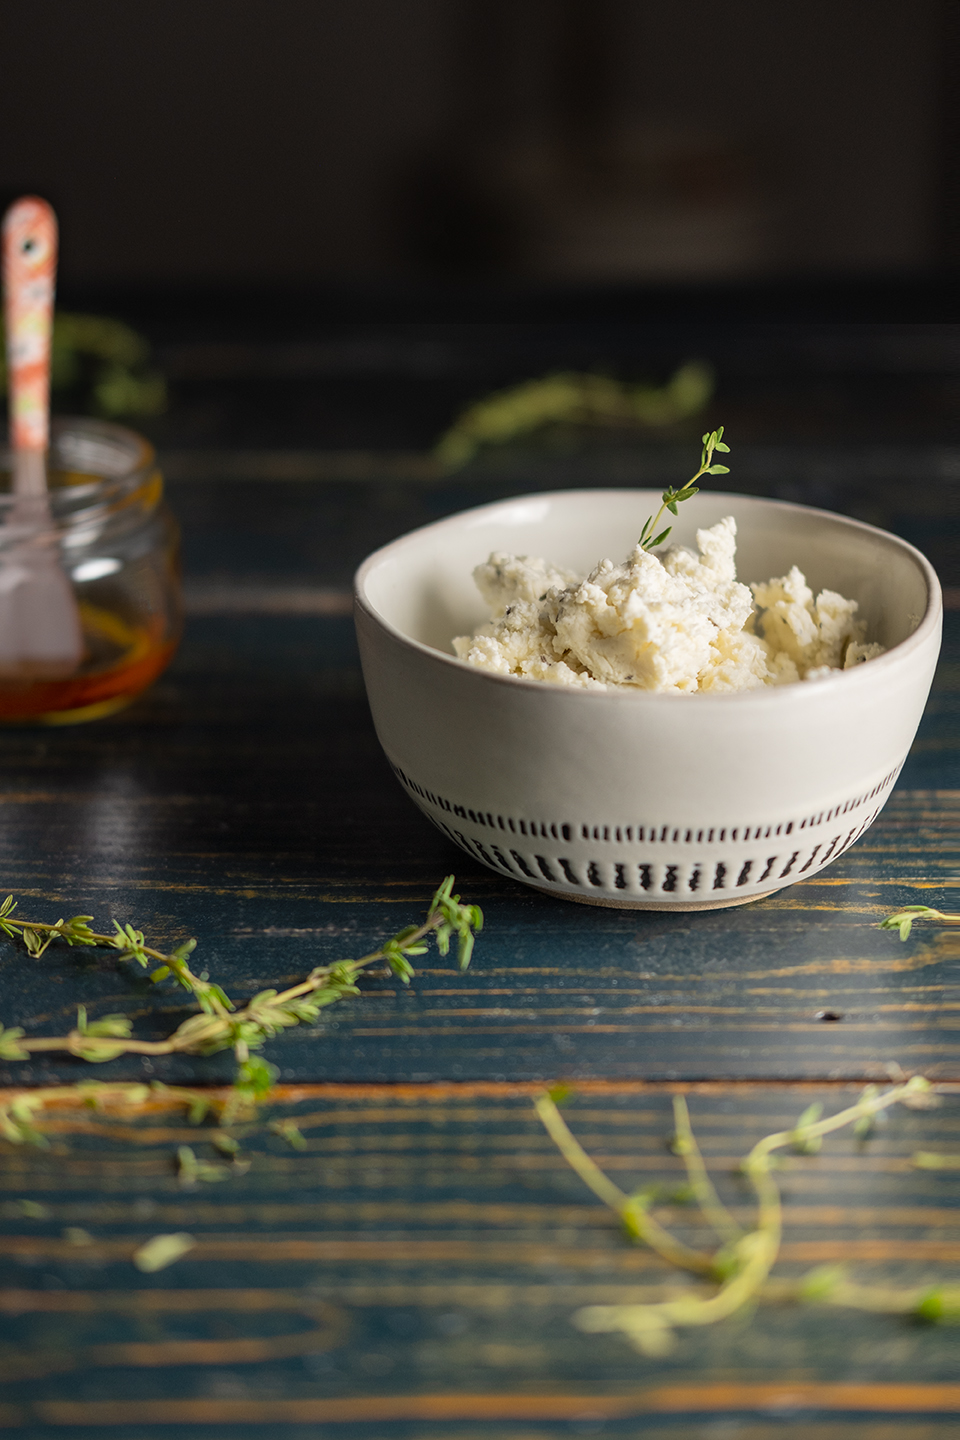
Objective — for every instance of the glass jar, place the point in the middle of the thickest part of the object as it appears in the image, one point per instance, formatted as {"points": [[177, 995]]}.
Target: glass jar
{"points": [[119, 546]]}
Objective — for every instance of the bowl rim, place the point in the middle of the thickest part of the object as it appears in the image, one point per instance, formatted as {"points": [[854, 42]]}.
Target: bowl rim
{"points": [[764, 694]]}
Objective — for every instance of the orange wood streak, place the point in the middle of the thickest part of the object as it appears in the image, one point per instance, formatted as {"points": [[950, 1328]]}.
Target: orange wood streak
{"points": [[34, 1363], [828, 1251], [88, 1302], [410, 1250], [899, 1399], [404, 1092], [493, 1218]]}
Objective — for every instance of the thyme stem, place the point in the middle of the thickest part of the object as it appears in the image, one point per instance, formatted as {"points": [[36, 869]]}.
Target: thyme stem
{"points": [[712, 1207], [743, 1266], [712, 441], [866, 1106], [640, 1225], [903, 920], [221, 1024]]}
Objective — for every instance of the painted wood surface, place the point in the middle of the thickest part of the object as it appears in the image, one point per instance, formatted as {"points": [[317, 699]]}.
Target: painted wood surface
{"points": [[246, 802], [413, 1271]]}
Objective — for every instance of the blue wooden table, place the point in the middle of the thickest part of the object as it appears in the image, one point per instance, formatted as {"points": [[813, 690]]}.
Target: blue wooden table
{"points": [[412, 1270]]}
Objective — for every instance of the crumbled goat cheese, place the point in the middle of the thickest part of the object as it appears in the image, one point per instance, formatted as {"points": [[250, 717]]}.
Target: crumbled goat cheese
{"points": [[682, 623]]}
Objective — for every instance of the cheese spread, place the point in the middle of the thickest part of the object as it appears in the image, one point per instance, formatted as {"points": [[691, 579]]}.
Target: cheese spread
{"points": [[677, 623]]}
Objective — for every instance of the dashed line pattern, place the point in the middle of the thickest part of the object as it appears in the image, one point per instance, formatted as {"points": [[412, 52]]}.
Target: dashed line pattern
{"points": [[698, 878]]}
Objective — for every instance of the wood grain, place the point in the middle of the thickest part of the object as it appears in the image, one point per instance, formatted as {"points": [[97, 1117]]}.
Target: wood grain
{"points": [[421, 1259], [412, 1273], [246, 802]]}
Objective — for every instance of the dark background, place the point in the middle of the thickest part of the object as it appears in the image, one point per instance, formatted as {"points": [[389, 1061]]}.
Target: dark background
{"points": [[311, 142], [337, 222]]}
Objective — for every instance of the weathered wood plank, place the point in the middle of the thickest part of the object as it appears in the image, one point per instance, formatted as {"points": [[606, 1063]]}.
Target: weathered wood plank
{"points": [[246, 802], [419, 1263], [317, 530], [247, 795]]}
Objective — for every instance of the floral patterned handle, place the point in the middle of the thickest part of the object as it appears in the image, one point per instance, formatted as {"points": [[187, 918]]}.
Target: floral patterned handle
{"points": [[29, 277]]}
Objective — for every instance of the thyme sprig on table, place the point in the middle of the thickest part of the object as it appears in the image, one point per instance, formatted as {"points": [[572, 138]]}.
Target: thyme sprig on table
{"points": [[904, 919], [572, 398], [712, 442], [739, 1269], [20, 1110], [221, 1025]]}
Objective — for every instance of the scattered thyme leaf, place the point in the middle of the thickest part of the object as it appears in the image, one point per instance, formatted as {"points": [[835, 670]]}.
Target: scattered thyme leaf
{"points": [[903, 919], [10, 1047], [75, 1235], [819, 1284], [226, 1144], [161, 1251], [31, 1210], [939, 1306], [191, 1171], [289, 1131], [802, 1141], [930, 1160], [560, 1094], [16, 1120]]}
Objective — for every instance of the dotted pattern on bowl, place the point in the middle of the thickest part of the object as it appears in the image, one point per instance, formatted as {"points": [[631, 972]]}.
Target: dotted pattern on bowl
{"points": [[514, 846]]}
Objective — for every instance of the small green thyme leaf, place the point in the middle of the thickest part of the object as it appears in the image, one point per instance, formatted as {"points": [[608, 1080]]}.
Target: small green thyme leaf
{"points": [[256, 1077], [75, 1235], [802, 1143], [821, 1283], [32, 1210], [118, 1026], [288, 1131], [903, 919], [191, 1171], [226, 1144], [560, 1094], [161, 1251], [930, 1160], [10, 1047]]}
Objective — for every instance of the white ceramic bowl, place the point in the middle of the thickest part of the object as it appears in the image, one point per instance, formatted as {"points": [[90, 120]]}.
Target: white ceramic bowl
{"points": [[666, 802]]}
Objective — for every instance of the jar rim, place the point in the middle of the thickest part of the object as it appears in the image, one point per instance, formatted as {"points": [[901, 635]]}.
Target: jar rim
{"points": [[119, 463]]}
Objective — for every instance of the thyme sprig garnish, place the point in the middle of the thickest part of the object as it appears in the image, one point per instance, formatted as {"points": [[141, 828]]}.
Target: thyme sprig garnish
{"points": [[222, 1025], [740, 1268], [712, 442]]}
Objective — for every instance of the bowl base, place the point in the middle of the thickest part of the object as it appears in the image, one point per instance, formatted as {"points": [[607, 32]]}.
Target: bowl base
{"points": [[675, 905]]}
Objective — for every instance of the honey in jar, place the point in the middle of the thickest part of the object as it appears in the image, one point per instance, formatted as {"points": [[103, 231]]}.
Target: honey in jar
{"points": [[118, 544]]}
